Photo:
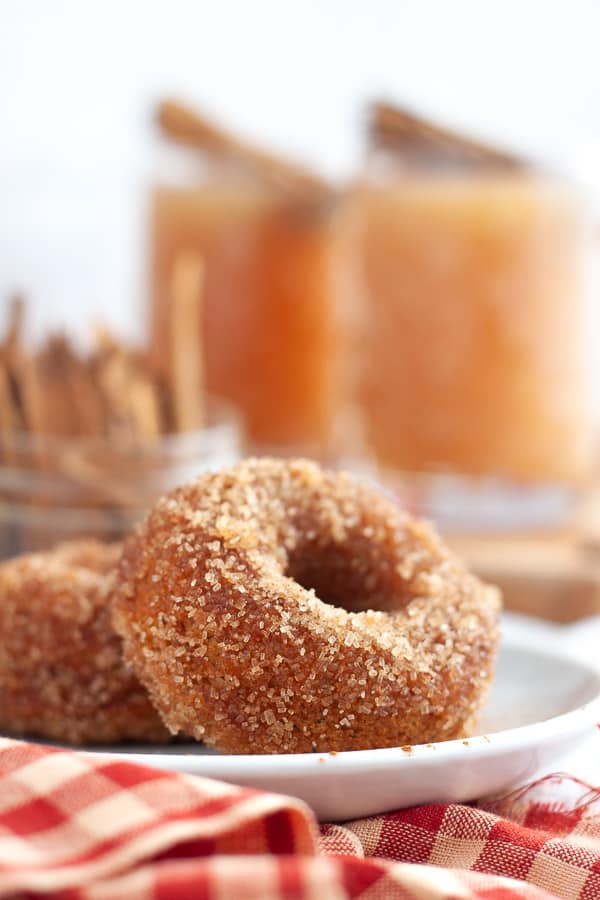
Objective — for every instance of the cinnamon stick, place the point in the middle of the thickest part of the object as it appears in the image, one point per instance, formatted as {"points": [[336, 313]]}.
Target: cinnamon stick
{"points": [[186, 126], [396, 129], [9, 417], [14, 330], [11, 354]]}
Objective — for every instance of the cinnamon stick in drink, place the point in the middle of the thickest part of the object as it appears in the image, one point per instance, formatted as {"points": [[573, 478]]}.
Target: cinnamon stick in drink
{"points": [[187, 126], [394, 128]]}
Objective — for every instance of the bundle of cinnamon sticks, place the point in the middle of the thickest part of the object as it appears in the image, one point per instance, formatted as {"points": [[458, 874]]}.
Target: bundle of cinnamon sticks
{"points": [[112, 392], [86, 430], [56, 390]]}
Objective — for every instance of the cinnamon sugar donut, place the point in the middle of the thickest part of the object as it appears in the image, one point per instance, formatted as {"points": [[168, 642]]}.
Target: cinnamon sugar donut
{"points": [[275, 608], [62, 673]]}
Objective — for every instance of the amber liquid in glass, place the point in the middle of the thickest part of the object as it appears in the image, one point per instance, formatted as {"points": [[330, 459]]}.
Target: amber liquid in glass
{"points": [[473, 360], [272, 333]]}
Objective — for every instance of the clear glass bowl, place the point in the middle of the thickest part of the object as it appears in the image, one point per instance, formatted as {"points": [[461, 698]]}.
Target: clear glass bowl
{"points": [[56, 488]]}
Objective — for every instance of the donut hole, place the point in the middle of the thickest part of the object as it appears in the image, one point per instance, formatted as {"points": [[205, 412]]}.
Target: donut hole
{"points": [[353, 575]]}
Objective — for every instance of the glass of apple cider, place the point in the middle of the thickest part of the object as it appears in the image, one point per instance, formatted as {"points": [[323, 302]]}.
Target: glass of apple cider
{"points": [[273, 327], [474, 385]]}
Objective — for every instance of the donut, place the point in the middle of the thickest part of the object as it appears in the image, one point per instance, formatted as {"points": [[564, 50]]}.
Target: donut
{"points": [[275, 607], [62, 674]]}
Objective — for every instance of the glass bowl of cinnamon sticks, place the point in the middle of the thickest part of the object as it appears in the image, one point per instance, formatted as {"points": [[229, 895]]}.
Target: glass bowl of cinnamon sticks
{"points": [[88, 440]]}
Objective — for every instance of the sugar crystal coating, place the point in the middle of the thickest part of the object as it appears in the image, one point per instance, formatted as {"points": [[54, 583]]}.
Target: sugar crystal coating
{"points": [[62, 673], [275, 607]]}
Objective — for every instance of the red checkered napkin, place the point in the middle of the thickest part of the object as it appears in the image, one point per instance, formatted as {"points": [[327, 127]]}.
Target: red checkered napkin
{"points": [[81, 827], [73, 820]]}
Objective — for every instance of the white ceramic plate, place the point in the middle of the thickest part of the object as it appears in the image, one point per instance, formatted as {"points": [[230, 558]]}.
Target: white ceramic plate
{"points": [[543, 704]]}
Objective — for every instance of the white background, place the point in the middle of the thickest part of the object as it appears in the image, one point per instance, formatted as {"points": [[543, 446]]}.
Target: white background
{"points": [[78, 80]]}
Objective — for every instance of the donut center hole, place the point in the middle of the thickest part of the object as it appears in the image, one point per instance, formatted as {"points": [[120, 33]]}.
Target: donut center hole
{"points": [[351, 576]]}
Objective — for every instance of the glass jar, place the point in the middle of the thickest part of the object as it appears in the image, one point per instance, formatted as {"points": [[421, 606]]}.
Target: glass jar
{"points": [[474, 385], [59, 488], [274, 329]]}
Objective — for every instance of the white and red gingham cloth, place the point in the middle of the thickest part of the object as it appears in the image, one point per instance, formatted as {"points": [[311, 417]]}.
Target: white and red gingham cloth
{"points": [[77, 826]]}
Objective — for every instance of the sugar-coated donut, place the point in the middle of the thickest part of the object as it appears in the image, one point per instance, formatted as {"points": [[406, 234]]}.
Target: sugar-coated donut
{"points": [[62, 674], [275, 608]]}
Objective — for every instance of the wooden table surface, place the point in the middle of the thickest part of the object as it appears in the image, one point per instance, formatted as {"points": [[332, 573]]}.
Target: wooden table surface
{"points": [[554, 575]]}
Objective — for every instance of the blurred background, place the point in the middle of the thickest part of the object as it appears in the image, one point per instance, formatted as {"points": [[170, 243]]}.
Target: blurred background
{"points": [[406, 285], [79, 82]]}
